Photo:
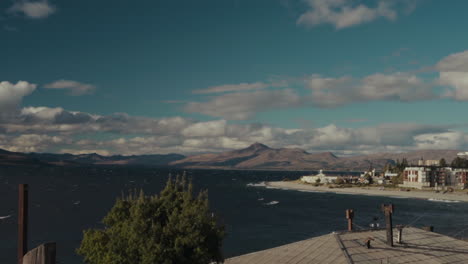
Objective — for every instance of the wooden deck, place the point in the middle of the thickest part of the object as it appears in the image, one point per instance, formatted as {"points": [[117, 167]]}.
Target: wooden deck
{"points": [[418, 246]]}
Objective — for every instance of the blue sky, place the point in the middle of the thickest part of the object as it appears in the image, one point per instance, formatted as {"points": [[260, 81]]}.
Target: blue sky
{"points": [[347, 76]]}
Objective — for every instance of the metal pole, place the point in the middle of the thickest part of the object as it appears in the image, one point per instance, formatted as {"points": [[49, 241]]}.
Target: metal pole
{"points": [[22, 222]]}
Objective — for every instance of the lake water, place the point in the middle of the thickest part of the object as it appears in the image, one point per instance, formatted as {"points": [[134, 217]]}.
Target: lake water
{"points": [[65, 201]]}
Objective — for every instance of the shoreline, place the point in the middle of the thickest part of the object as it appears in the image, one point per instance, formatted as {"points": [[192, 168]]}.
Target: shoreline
{"points": [[371, 191]]}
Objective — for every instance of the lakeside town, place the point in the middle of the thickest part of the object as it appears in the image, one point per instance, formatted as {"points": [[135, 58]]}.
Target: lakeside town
{"points": [[425, 175], [433, 180]]}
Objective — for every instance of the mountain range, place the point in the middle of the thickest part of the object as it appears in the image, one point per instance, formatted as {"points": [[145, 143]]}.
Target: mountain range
{"points": [[255, 157], [17, 158], [259, 156]]}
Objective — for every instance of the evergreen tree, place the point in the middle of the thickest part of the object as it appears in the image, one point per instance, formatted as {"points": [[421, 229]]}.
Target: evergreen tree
{"points": [[174, 227], [400, 166], [404, 164], [442, 162], [369, 178], [387, 167], [459, 163]]}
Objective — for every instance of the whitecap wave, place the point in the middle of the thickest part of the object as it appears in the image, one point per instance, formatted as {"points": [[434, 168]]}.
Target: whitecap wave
{"points": [[5, 217], [272, 203], [442, 200], [311, 191], [258, 184]]}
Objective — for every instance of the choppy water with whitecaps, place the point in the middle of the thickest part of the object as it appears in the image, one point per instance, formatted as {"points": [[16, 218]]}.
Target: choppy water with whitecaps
{"points": [[65, 201]]}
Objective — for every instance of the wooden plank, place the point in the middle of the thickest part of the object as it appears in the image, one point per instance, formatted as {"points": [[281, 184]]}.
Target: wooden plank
{"points": [[43, 254], [343, 249], [22, 222]]}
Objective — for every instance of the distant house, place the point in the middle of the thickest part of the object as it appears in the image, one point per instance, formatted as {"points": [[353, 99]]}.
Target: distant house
{"points": [[363, 179], [423, 162], [320, 177], [390, 174], [370, 173]]}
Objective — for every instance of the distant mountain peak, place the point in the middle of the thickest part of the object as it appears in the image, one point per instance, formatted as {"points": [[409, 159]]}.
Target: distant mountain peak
{"points": [[258, 146]]}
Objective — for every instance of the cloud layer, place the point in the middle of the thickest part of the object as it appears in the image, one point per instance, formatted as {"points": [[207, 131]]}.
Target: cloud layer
{"points": [[56, 129], [324, 92], [242, 102]]}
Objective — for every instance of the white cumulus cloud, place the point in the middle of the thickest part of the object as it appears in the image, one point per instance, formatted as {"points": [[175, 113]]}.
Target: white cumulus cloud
{"points": [[206, 129], [458, 83], [333, 92], [457, 62], [346, 13], [33, 9], [75, 88], [241, 106], [232, 88], [30, 142], [453, 73], [12, 94]]}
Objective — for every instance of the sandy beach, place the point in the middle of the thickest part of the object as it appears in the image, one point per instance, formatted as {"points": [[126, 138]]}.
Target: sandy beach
{"points": [[374, 191]]}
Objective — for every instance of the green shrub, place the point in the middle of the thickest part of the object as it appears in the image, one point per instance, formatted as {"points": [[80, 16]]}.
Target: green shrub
{"points": [[174, 227]]}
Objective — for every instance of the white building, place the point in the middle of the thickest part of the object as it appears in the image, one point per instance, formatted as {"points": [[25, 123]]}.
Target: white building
{"points": [[418, 177], [458, 177], [320, 176], [425, 177]]}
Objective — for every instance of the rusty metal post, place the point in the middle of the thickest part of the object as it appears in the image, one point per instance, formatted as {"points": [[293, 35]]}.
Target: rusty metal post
{"points": [[388, 210], [22, 222], [350, 216]]}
